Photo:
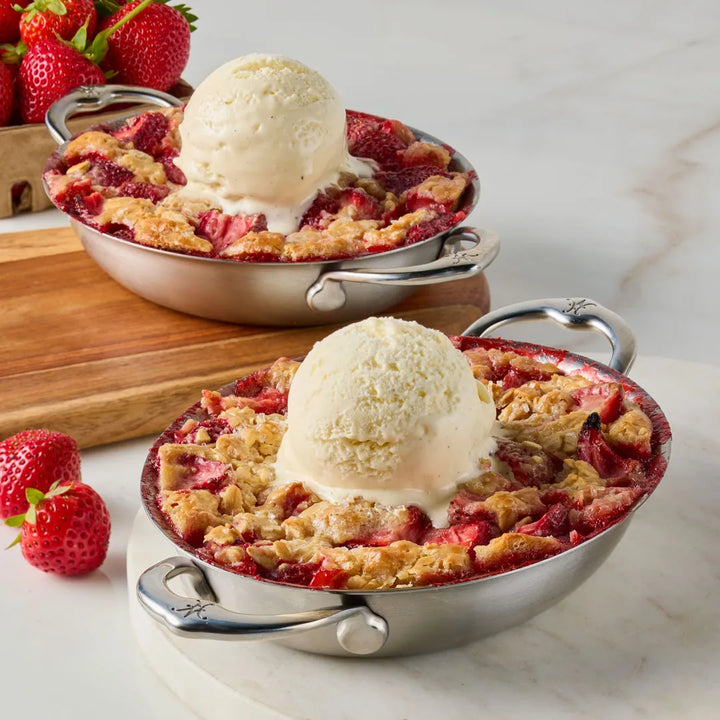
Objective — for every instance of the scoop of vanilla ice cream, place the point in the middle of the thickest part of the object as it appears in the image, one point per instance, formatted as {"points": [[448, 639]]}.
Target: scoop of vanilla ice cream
{"points": [[389, 410], [262, 134]]}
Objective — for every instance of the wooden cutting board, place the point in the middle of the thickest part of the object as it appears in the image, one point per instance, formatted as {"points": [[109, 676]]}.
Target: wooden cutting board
{"points": [[81, 354]]}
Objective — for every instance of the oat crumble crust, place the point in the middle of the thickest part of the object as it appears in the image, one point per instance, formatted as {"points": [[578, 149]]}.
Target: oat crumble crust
{"points": [[543, 495]]}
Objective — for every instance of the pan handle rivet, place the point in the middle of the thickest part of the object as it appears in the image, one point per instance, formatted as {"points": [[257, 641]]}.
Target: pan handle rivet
{"points": [[326, 295], [363, 633]]}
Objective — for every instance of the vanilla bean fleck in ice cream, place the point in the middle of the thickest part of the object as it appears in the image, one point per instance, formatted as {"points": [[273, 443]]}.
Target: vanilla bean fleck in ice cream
{"points": [[263, 134], [386, 409]]}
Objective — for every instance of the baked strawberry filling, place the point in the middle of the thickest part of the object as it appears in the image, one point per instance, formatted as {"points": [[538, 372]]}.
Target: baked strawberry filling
{"points": [[124, 182], [574, 456]]}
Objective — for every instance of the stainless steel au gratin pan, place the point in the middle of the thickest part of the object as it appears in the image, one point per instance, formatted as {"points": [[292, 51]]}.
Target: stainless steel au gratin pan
{"points": [[307, 293], [385, 623]]}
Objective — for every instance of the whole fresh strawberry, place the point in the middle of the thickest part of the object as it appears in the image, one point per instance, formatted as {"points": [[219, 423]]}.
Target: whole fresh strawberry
{"points": [[50, 19], [34, 459], [10, 20], [152, 49], [7, 94], [50, 70], [65, 530]]}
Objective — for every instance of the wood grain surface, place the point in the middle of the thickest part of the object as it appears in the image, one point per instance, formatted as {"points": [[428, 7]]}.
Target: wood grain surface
{"points": [[83, 355]]}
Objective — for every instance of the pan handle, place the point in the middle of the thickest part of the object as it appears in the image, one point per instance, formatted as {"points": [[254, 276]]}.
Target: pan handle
{"points": [[458, 261], [359, 630], [90, 98], [573, 313]]}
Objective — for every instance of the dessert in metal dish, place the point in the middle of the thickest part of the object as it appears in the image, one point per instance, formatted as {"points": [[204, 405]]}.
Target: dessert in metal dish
{"points": [[564, 457], [263, 164]]}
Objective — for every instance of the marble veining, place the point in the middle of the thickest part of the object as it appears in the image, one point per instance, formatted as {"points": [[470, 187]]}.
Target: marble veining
{"points": [[661, 193]]}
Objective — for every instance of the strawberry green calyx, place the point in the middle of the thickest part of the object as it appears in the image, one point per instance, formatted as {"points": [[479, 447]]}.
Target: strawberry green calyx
{"points": [[12, 54], [99, 47], [54, 6], [184, 10], [79, 39], [187, 13], [34, 497]]}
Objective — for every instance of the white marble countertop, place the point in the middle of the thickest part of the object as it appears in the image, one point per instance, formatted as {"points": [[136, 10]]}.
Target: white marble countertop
{"points": [[595, 130]]}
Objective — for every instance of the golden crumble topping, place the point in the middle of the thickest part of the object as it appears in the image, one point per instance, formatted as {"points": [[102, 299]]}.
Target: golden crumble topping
{"points": [[311, 244], [256, 243], [426, 152], [560, 475], [415, 186], [632, 429], [509, 507], [281, 373], [501, 551], [442, 190], [142, 166], [394, 234], [189, 207], [152, 224], [91, 142]]}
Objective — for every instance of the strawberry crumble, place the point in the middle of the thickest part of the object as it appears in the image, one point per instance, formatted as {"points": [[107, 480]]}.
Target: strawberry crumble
{"points": [[575, 454], [124, 182]]}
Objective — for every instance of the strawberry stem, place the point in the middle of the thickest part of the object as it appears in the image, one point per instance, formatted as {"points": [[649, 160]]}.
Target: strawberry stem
{"points": [[98, 49], [135, 11]]}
